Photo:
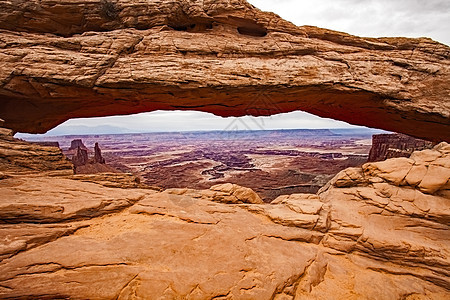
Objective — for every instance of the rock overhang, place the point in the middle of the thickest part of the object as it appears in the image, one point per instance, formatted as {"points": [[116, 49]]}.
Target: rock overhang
{"points": [[223, 57]]}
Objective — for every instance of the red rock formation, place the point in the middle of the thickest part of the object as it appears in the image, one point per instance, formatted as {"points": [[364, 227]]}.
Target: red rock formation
{"points": [[75, 144], [224, 57], [80, 158], [376, 232], [386, 146], [84, 165], [98, 155]]}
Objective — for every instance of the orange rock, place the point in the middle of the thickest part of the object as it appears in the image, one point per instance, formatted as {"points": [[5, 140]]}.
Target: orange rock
{"points": [[362, 240], [17, 156], [233, 193], [376, 232], [224, 57]]}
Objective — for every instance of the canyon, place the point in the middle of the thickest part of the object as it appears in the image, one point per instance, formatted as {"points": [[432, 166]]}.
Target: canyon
{"points": [[378, 231], [271, 162], [375, 230]]}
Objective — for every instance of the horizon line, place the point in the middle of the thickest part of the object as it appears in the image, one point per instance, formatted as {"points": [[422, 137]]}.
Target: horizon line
{"points": [[198, 131]]}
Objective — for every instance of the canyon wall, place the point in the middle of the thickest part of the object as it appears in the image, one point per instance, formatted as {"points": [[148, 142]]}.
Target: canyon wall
{"points": [[385, 146], [66, 59]]}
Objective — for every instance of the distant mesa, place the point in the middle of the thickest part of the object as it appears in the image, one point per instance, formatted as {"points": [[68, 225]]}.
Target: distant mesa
{"points": [[78, 143], [385, 146]]}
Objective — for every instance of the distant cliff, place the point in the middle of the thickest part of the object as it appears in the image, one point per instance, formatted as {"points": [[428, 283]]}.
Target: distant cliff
{"points": [[385, 146]]}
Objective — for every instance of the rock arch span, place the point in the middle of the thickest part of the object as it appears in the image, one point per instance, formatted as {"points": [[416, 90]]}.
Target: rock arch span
{"points": [[65, 59]]}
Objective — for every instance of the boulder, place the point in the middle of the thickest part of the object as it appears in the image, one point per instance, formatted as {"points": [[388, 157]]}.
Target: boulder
{"points": [[233, 193]]}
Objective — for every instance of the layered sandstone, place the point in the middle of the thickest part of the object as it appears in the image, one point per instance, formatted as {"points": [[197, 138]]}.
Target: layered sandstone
{"points": [[17, 156], [376, 232], [64, 59], [385, 146]]}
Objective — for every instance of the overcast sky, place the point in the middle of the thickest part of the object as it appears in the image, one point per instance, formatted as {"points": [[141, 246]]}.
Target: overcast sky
{"points": [[370, 18]]}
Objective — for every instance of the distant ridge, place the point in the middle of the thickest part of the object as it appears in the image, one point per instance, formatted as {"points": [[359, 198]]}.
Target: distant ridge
{"points": [[83, 131], [357, 131]]}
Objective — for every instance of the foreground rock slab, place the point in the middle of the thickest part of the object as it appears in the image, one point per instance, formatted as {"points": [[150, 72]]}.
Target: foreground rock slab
{"points": [[371, 233], [66, 59]]}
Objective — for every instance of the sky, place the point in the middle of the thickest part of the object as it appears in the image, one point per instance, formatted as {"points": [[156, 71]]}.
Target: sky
{"points": [[368, 18], [175, 121]]}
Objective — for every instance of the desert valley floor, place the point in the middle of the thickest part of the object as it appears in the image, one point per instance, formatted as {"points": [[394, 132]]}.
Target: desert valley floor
{"points": [[272, 163]]}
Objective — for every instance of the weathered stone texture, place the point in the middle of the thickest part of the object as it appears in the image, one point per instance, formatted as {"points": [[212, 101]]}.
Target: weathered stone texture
{"points": [[17, 156], [65, 59], [80, 158], [385, 146], [376, 232], [98, 158]]}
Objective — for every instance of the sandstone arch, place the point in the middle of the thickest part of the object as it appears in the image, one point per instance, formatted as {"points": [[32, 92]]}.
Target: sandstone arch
{"points": [[65, 59]]}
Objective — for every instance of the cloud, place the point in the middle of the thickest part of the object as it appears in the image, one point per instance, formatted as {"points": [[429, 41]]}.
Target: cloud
{"points": [[165, 121]]}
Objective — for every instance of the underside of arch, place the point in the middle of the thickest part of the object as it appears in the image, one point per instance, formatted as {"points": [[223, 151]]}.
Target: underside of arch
{"points": [[67, 59]]}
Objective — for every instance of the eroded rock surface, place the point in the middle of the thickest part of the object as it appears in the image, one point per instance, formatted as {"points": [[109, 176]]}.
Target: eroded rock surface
{"points": [[385, 146], [77, 143], [395, 211], [17, 156], [98, 158], [376, 232], [65, 59], [80, 158], [86, 163]]}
